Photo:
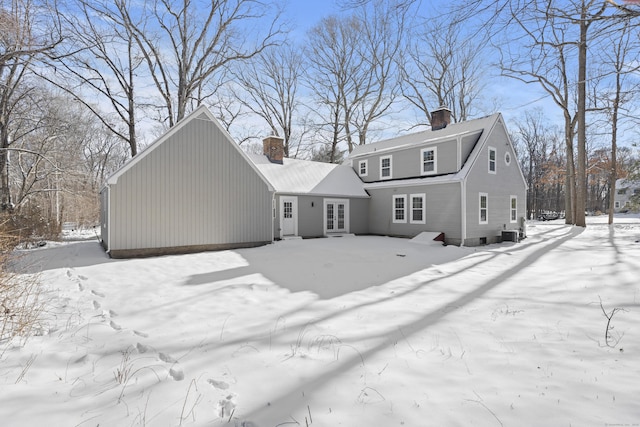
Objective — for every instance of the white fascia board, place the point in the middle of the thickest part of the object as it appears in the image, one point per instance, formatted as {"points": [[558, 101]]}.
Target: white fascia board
{"points": [[445, 179]]}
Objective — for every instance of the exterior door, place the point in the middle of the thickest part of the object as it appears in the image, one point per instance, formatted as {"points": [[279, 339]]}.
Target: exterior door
{"points": [[289, 216], [336, 216]]}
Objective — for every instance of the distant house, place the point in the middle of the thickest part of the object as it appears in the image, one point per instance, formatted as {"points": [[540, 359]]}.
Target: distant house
{"points": [[194, 189], [626, 192]]}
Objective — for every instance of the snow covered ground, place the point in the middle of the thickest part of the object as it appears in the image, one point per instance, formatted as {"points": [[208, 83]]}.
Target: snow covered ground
{"points": [[353, 331]]}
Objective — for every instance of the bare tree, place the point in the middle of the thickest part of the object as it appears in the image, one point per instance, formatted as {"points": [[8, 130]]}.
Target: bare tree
{"points": [[443, 67], [353, 68], [186, 42], [332, 63], [271, 82], [28, 31], [376, 85], [616, 62]]}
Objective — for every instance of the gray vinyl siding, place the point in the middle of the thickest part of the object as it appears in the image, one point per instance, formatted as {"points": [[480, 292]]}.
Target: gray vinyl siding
{"points": [[359, 216], [442, 211], [193, 189], [407, 162], [507, 181], [311, 218]]}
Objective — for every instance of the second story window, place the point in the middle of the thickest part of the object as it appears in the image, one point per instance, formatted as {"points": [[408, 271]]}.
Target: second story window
{"points": [[429, 161], [492, 160], [363, 167], [385, 167]]}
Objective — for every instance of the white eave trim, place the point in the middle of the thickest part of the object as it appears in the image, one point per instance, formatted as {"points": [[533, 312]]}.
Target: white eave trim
{"points": [[415, 182]]}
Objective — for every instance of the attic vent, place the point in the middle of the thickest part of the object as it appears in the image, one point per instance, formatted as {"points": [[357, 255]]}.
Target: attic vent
{"points": [[440, 118]]}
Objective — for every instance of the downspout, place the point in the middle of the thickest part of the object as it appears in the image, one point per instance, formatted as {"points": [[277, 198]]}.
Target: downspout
{"points": [[273, 215], [463, 211], [108, 219]]}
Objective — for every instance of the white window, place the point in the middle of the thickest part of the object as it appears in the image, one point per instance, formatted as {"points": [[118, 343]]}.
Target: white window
{"points": [[492, 160], [617, 205], [385, 167], [429, 161], [514, 209], [363, 167], [484, 208], [418, 209], [400, 208]]}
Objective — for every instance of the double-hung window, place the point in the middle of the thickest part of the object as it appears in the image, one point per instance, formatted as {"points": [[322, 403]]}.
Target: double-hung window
{"points": [[429, 161], [492, 160], [418, 208], [514, 209], [385, 167], [399, 208], [363, 167], [484, 208]]}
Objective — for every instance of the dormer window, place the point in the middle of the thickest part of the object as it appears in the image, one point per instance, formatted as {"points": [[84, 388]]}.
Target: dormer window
{"points": [[492, 160], [429, 161], [385, 167], [363, 167]]}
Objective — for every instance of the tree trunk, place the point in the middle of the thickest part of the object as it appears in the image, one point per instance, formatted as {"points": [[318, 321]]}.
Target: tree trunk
{"points": [[581, 192]]}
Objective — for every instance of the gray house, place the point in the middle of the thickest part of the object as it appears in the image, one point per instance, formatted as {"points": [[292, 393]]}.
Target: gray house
{"points": [[460, 179], [312, 199], [626, 191], [194, 189]]}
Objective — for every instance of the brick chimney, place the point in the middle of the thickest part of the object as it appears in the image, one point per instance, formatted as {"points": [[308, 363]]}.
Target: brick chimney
{"points": [[440, 118], [273, 148]]}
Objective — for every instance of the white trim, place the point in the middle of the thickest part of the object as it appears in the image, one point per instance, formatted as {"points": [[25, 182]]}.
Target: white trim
{"points": [[495, 160], [435, 161], [294, 213], [512, 209], [480, 208], [366, 167], [463, 211], [393, 209], [326, 202], [423, 196], [507, 158], [390, 157]]}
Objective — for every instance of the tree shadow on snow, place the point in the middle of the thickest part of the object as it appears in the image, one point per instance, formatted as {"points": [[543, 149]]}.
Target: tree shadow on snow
{"points": [[287, 402]]}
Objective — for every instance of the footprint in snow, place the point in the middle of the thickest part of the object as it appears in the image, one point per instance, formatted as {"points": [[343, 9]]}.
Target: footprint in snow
{"points": [[142, 348], [96, 305], [226, 406], [113, 313], [69, 274], [141, 334], [80, 287], [98, 294], [176, 373], [81, 277], [220, 385], [166, 358], [115, 326]]}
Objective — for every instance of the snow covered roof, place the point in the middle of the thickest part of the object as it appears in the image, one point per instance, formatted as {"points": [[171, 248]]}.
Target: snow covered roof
{"points": [[451, 131], [295, 176]]}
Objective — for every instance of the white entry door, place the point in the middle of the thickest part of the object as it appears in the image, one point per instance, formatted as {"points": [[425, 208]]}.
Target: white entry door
{"points": [[336, 216], [289, 216]]}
